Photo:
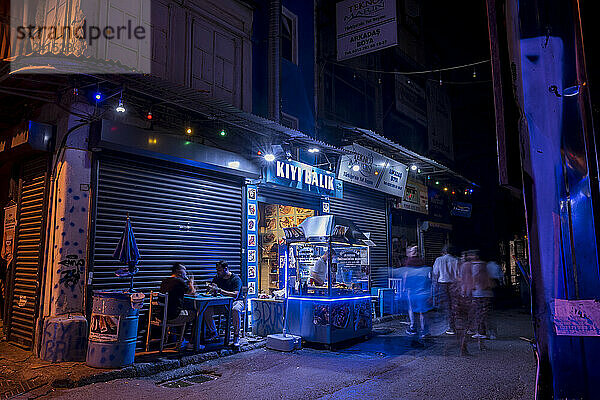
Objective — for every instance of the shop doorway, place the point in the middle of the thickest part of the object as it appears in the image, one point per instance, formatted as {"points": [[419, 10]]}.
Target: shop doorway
{"points": [[272, 218]]}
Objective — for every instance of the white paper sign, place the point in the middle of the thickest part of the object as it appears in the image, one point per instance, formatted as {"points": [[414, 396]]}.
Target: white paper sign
{"points": [[365, 26], [577, 317]]}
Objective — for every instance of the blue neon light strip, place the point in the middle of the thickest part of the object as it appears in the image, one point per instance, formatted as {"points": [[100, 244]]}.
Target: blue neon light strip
{"points": [[329, 300]]}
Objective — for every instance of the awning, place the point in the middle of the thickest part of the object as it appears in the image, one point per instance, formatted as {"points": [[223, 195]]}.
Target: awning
{"points": [[165, 92], [400, 153]]}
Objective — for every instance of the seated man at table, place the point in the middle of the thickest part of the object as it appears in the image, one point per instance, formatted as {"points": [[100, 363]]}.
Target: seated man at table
{"points": [[176, 286], [225, 283]]}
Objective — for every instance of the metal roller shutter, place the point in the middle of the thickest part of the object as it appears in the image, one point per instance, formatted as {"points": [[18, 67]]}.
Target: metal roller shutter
{"points": [[28, 254], [433, 242], [178, 214], [368, 210]]}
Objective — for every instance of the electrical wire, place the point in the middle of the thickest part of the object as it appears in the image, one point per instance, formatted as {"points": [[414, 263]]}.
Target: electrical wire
{"points": [[378, 71], [461, 82]]}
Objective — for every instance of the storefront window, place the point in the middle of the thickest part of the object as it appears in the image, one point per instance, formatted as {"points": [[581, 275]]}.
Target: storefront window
{"points": [[272, 219]]}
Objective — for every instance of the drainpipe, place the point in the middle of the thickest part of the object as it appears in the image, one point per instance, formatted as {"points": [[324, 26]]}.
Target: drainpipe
{"points": [[273, 59]]}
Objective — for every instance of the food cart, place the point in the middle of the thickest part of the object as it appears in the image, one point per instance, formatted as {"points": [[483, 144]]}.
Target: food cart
{"points": [[327, 268]]}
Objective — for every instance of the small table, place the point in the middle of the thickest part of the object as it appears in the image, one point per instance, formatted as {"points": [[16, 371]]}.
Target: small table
{"points": [[200, 304]]}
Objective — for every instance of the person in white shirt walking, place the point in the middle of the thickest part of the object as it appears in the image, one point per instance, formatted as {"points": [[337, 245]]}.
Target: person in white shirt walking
{"points": [[497, 279], [445, 273]]}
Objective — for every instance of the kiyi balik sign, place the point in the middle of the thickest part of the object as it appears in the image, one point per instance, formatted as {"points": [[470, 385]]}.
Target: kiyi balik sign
{"points": [[304, 177]]}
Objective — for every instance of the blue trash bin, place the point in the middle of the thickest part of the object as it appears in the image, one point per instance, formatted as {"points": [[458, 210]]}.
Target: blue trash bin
{"points": [[113, 330]]}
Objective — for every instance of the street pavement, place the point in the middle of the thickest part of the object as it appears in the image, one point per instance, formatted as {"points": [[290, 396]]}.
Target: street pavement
{"points": [[388, 366]]}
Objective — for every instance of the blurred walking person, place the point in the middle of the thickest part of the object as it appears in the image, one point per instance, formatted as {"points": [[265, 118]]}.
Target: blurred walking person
{"points": [[463, 290], [497, 280], [417, 283], [445, 273], [482, 295]]}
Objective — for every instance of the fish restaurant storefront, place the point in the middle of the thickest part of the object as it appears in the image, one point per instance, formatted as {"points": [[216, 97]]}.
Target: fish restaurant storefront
{"points": [[288, 193]]}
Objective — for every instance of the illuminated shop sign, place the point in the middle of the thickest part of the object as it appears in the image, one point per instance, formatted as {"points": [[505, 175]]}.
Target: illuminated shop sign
{"points": [[304, 177]]}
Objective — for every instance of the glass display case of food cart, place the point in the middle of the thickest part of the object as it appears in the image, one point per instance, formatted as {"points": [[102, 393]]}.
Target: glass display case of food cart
{"points": [[327, 264]]}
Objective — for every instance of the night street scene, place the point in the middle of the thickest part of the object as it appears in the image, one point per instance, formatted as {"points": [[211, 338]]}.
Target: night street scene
{"points": [[299, 199]]}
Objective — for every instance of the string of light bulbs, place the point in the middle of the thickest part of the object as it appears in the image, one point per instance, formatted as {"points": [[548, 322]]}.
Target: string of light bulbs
{"points": [[429, 71]]}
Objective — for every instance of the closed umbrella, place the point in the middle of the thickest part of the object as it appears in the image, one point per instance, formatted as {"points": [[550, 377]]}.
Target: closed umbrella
{"points": [[127, 252]]}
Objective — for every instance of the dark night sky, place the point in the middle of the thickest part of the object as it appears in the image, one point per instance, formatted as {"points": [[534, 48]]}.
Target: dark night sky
{"points": [[459, 33]]}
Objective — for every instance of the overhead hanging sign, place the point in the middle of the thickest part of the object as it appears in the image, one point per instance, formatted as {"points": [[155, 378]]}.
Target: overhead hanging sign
{"points": [[365, 26], [304, 177], [415, 198], [370, 169], [460, 209]]}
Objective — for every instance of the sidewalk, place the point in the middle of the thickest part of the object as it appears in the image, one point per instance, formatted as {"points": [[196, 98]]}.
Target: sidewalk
{"points": [[508, 356], [22, 372]]}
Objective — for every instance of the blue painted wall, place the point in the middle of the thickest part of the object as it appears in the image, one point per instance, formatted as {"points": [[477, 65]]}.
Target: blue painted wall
{"points": [[297, 81]]}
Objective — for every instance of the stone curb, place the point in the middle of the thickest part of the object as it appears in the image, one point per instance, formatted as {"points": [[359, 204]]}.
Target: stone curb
{"points": [[139, 370]]}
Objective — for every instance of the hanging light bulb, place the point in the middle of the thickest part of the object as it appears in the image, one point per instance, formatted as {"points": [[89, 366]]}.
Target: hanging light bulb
{"points": [[120, 108], [269, 157], [474, 73], [98, 94], [189, 130], [413, 167]]}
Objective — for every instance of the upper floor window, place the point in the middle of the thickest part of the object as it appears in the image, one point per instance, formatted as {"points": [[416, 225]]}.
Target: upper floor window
{"points": [[289, 35]]}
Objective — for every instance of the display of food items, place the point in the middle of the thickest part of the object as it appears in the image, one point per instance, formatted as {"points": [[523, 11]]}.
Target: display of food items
{"points": [[286, 210], [268, 237], [286, 222], [271, 223], [271, 210], [300, 218]]}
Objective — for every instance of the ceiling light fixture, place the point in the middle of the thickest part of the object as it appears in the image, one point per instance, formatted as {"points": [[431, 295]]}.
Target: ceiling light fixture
{"points": [[120, 108]]}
